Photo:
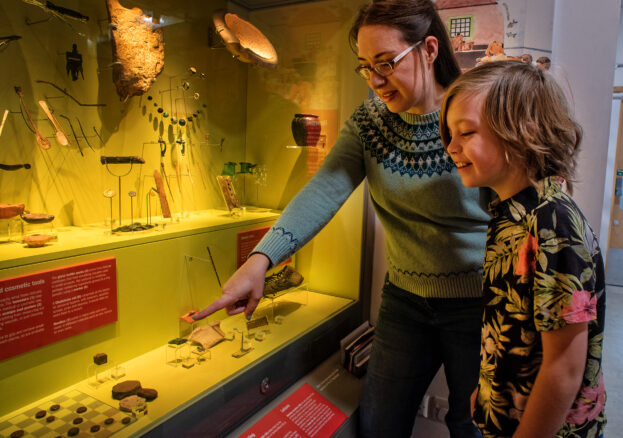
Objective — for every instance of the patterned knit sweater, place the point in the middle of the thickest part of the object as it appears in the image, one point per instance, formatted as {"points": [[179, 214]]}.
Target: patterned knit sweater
{"points": [[435, 227]]}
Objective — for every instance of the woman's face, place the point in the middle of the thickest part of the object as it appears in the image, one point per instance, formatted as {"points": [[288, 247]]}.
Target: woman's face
{"points": [[405, 89]]}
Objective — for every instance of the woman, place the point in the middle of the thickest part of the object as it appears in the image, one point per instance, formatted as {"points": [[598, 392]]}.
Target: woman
{"points": [[435, 227]]}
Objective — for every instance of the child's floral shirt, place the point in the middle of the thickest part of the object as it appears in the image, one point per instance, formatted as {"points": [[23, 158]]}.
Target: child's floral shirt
{"points": [[542, 270]]}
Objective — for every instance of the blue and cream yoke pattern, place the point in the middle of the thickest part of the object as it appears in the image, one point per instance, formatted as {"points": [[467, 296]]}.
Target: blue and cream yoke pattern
{"points": [[435, 227]]}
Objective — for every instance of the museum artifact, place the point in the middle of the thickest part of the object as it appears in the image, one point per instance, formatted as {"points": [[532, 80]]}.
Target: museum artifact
{"points": [[73, 132], [5, 40], [163, 150], [245, 346], [229, 169], [58, 11], [284, 279], [164, 204], [74, 63], [306, 129], [208, 335], [125, 389], [84, 135], [121, 160], [60, 413], [245, 41], [42, 141], [7, 211], [36, 218], [4, 116], [132, 403], [148, 394], [138, 49], [229, 194], [100, 358], [12, 167], [60, 134], [37, 240], [64, 91]]}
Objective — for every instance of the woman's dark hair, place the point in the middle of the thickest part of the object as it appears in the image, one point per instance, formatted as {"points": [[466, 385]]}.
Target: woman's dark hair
{"points": [[415, 19]]}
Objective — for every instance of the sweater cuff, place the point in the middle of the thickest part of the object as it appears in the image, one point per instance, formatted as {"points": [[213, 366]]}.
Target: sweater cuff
{"points": [[277, 245]]}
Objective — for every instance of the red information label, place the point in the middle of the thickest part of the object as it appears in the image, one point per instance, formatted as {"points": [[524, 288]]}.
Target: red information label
{"points": [[247, 240], [305, 414], [44, 307]]}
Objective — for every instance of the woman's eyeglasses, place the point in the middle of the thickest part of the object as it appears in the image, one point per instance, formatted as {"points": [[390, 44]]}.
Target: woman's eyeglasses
{"points": [[385, 68]]}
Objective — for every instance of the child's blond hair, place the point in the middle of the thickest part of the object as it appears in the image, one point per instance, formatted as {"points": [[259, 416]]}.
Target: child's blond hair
{"points": [[529, 114]]}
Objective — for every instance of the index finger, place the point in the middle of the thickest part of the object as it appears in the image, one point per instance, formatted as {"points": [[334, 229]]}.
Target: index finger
{"points": [[218, 304]]}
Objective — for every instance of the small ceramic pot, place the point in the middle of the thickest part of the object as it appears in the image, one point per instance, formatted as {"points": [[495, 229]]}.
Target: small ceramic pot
{"points": [[306, 129]]}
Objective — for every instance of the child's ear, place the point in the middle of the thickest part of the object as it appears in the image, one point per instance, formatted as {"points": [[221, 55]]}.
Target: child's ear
{"points": [[431, 49]]}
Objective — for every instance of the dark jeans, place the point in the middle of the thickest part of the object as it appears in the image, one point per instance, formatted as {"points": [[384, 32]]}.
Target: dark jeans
{"points": [[414, 336]]}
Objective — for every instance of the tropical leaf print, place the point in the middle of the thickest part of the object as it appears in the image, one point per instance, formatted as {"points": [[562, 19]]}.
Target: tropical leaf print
{"points": [[542, 270]]}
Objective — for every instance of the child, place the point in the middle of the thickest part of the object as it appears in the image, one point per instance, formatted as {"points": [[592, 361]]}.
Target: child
{"points": [[507, 126]]}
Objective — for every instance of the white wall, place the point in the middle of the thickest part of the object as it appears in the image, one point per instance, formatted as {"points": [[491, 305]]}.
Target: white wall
{"points": [[583, 51]]}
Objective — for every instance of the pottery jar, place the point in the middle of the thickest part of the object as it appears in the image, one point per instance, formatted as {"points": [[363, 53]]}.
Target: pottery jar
{"points": [[306, 129]]}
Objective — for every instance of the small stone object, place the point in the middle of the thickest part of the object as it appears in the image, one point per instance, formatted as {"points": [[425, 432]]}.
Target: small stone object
{"points": [[182, 122], [148, 394], [40, 414], [133, 403], [173, 121], [189, 118], [99, 359], [17, 434], [77, 420], [73, 431], [55, 407], [126, 388], [196, 96], [160, 110], [149, 98], [155, 104], [126, 420], [50, 418], [165, 114], [95, 428], [186, 85], [81, 409], [192, 70], [109, 421]]}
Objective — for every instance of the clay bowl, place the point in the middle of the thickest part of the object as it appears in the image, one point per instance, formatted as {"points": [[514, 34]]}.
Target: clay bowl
{"points": [[245, 41], [7, 211], [37, 240]]}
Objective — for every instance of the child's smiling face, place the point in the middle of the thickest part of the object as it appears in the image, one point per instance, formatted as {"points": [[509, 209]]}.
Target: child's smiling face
{"points": [[477, 152]]}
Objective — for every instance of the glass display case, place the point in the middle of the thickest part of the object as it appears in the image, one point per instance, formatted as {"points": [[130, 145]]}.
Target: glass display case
{"points": [[139, 163]]}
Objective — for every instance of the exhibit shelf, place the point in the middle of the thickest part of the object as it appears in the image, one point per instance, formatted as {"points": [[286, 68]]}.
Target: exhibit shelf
{"points": [[75, 240], [178, 387]]}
